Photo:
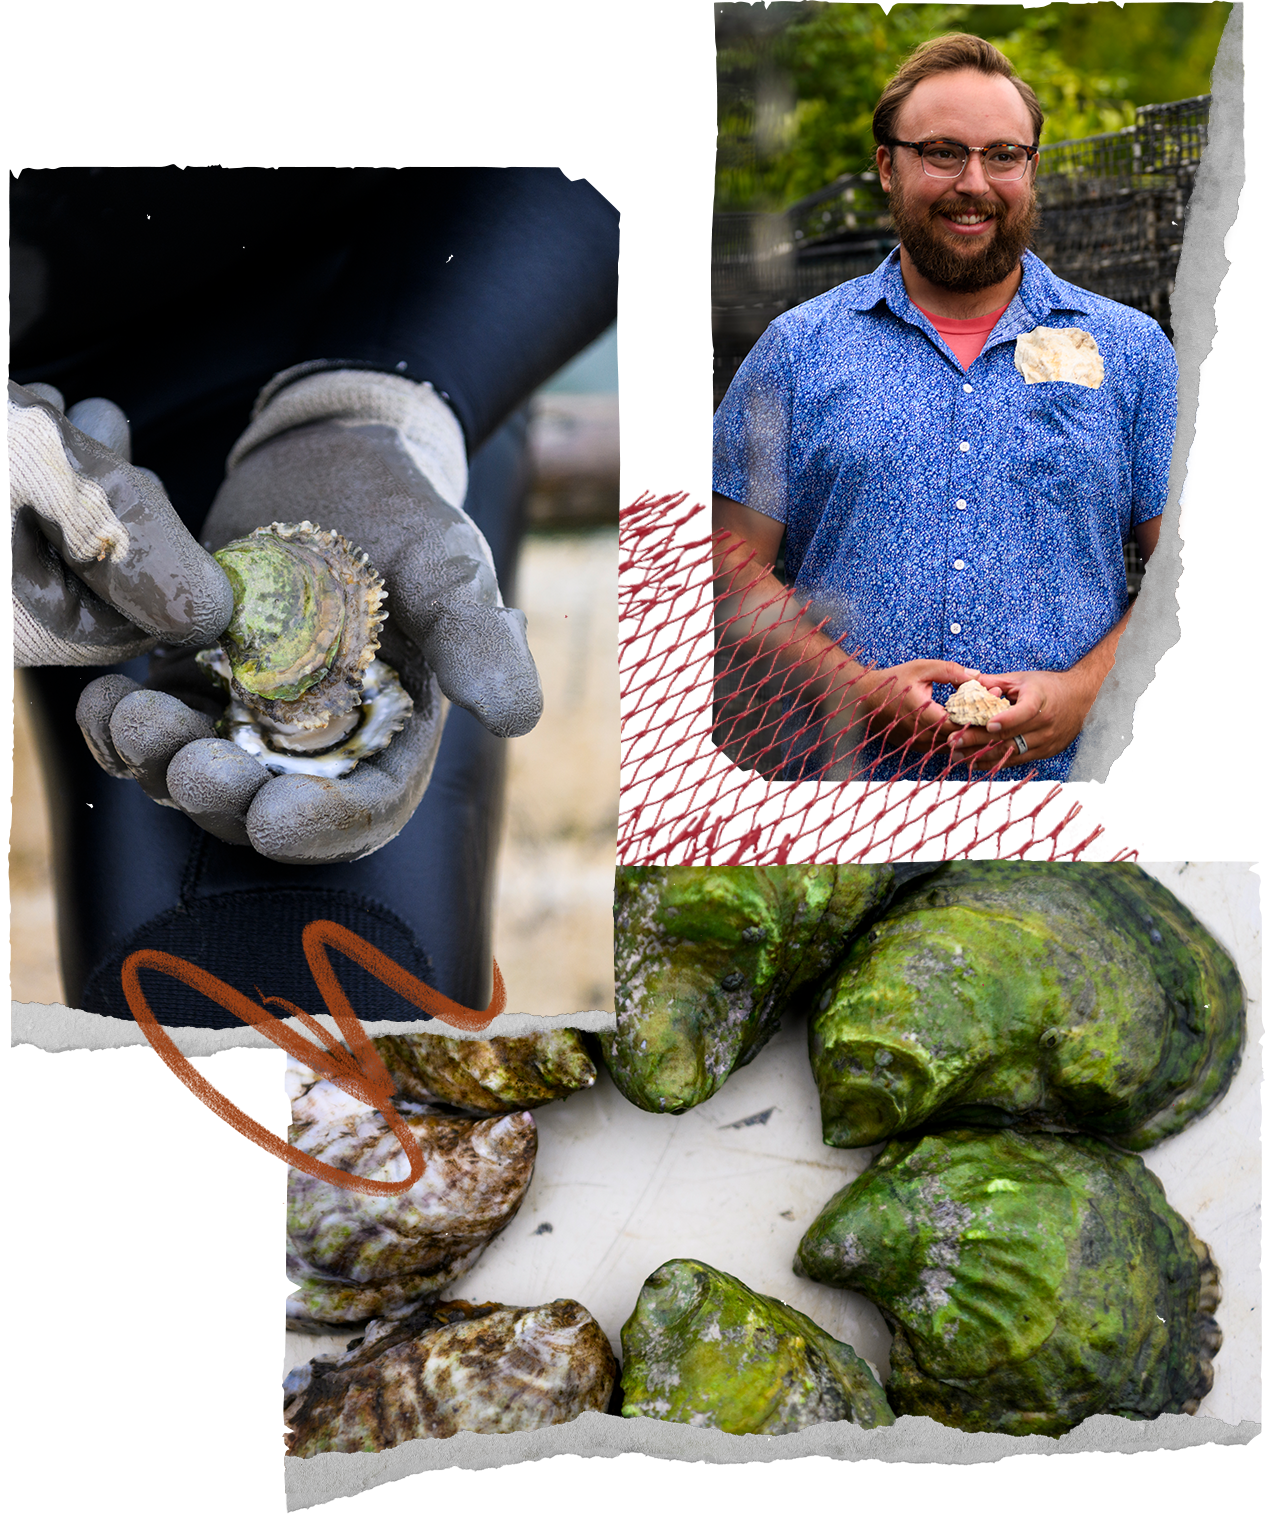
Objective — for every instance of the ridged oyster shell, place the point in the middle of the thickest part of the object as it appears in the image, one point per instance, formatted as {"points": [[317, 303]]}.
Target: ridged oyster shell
{"points": [[307, 694], [707, 960], [487, 1074], [972, 705], [1073, 996], [354, 1256], [702, 1348], [1031, 1280], [452, 1367]]}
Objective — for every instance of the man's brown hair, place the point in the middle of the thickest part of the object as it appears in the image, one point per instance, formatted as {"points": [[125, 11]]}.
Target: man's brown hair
{"points": [[945, 55]]}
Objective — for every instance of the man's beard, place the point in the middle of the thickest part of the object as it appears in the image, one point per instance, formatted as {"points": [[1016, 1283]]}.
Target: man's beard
{"points": [[955, 268]]}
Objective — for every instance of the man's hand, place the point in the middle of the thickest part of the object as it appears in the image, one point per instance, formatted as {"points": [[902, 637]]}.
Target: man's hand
{"points": [[902, 710], [1048, 710], [380, 460], [102, 565]]}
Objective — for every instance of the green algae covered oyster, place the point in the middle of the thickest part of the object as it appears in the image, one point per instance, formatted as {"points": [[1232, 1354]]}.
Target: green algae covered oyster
{"points": [[487, 1074], [1076, 996], [454, 1366], [1031, 1280], [354, 1256], [707, 960], [702, 1348], [298, 657]]}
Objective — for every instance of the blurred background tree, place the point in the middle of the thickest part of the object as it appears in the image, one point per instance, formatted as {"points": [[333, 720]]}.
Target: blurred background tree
{"points": [[798, 82]]}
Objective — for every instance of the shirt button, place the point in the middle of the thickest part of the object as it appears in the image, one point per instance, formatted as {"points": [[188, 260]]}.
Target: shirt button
{"points": [[955, 627], [961, 505], [958, 564], [965, 447], [968, 388]]}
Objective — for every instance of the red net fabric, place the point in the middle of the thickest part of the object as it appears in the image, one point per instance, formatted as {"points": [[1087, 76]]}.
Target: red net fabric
{"points": [[707, 729]]}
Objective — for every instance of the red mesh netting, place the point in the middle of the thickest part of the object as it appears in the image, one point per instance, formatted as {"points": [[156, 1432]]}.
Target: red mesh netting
{"points": [[706, 729]]}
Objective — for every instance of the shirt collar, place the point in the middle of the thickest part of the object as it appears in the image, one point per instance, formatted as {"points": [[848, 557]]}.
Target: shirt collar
{"points": [[1040, 293]]}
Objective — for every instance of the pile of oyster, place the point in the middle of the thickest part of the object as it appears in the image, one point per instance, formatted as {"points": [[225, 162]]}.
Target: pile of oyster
{"points": [[1011, 1033], [421, 1367]]}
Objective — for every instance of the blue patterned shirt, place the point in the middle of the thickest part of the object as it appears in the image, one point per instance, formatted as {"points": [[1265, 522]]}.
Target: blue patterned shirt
{"points": [[934, 513]]}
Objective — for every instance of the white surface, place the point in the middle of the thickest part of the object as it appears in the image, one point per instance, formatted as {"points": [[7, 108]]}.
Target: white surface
{"points": [[626, 1190]]}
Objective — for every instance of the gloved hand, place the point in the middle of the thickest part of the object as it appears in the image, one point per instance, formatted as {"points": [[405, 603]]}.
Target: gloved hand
{"points": [[102, 567], [381, 460]]}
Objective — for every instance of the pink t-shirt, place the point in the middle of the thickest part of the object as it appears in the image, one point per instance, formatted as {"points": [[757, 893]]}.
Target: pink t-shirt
{"points": [[966, 338]]}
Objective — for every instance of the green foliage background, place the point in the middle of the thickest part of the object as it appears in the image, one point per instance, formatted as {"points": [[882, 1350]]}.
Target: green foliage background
{"points": [[798, 82]]}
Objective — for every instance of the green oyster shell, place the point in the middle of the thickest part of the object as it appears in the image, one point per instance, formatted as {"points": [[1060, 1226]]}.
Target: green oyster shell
{"points": [[1031, 1280], [354, 1256], [488, 1074], [487, 1369], [1076, 996], [702, 1348], [307, 611], [707, 960]]}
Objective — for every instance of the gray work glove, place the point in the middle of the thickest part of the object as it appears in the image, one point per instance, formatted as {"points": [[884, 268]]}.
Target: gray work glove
{"points": [[381, 460], [102, 566]]}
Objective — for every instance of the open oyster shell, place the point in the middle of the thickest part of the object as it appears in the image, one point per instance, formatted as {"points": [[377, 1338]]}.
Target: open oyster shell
{"points": [[488, 1074], [354, 1256], [707, 960], [1073, 996], [1031, 1280], [488, 1369], [307, 694], [702, 1348]]}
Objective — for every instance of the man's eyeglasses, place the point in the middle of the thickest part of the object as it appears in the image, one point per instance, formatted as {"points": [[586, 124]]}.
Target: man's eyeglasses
{"points": [[942, 159]]}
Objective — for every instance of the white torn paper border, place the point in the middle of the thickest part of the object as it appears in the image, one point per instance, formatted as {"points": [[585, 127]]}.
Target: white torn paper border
{"points": [[1153, 626], [57, 1029]]}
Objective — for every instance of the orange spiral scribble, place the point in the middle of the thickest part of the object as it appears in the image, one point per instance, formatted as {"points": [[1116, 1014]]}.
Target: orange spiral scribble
{"points": [[357, 1069]]}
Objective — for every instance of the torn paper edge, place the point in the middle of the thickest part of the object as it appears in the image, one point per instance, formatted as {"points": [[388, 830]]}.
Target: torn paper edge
{"points": [[1154, 627], [323, 1478], [57, 1029]]}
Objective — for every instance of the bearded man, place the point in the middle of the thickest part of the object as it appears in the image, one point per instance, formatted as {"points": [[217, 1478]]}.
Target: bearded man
{"points": [[950, 508]]}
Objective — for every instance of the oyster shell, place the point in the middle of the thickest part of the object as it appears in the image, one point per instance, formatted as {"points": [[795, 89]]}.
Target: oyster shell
{"points": [[702, 1348], [1031, 1280], [1075, 996], [707, 960], [355, 1257], [972, 705], [307, 694], [452, 1367], [488, 1074]]}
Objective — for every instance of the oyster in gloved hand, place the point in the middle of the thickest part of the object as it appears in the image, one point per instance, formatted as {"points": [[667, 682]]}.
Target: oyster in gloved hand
{"points": [[487, 1074], [1031, 1280], [707, 960], [702, 1348], [452, 1367], [1077, 996], [307, 695], [355, 1256]]}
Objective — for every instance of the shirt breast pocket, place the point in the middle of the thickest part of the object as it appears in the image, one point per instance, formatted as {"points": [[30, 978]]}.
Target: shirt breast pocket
{"points": [[1066, 435]]}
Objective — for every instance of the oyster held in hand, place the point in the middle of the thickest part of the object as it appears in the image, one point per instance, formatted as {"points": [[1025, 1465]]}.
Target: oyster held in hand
{"points": [[452, 1367], [487, 1074], [355, 1256], [1031, 1280], [973, 705], [1078, 996], [702, 1348], [307, 694], [707, 960]]}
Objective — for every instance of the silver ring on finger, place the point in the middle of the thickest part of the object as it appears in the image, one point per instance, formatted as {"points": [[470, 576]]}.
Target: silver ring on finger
{"points": [[1021, 743]]}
